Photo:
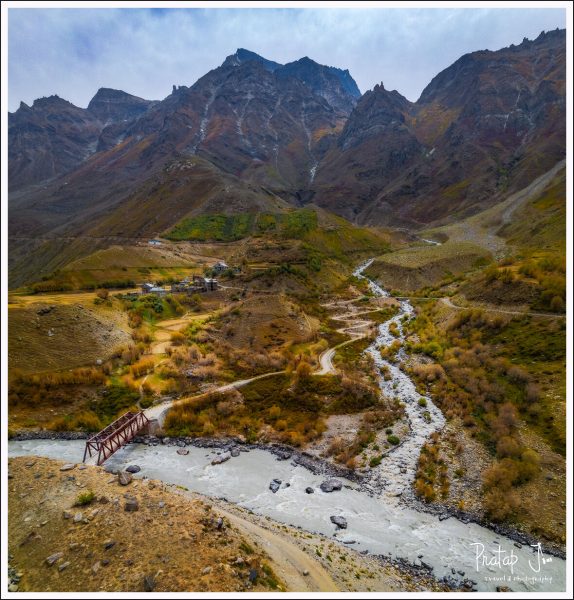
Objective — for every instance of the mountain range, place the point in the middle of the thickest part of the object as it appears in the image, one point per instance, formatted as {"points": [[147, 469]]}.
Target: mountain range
{"points": [[254, 135]]}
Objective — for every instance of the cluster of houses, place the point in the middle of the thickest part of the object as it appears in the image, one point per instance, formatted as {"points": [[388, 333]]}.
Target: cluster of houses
{"points": [[197, 284], [186, 286]]}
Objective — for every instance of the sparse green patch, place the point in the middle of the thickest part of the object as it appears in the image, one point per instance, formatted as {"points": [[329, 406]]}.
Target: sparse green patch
{"points": [[228, 228], [85, 498]]}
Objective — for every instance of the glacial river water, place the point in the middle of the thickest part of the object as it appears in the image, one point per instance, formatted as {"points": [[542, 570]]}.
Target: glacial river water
{"points": [[377, 523]]}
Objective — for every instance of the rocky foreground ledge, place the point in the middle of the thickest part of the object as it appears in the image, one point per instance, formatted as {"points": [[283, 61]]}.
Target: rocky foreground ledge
{"points": [[74, 527]]}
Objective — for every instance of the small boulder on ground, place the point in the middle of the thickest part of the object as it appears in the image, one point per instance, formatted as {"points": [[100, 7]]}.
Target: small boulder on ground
{"points": [[124, 478], [53, 558], [131, 505], [149, 583], [67, 467]]}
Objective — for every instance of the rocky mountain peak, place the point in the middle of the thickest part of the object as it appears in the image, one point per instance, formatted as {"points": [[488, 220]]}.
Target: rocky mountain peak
{"points": [[335, 85], [51, 102], [110, 105], [242, 56], [23, 107], [376, 112]]}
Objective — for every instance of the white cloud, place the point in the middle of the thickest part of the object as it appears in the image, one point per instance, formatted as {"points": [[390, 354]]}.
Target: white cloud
{"points": [[73, 52]]}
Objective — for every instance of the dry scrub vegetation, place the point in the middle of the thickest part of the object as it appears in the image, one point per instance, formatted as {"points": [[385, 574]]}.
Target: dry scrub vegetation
{"points": [[537, 281], [288, 408], [487, 373]]}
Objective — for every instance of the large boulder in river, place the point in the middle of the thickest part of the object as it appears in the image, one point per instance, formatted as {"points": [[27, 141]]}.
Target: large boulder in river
{"points": [[221, 458], [331, 485], [340, 522], [133, 469], [275, 485]]}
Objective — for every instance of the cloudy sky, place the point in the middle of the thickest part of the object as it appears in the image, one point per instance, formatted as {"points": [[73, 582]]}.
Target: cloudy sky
{"points": [[73, 52]]}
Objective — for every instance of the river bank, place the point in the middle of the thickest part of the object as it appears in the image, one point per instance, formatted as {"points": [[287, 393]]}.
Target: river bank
{"points": [[315, 465], [380, 526]]}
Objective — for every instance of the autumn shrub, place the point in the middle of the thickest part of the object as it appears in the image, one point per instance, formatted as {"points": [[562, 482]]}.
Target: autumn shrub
{"points": [[177, 338], [142, 368], [508, 447], [86, 421], [375, 461], [390, 352], [501, 504], [336, 446], [529, 465]]}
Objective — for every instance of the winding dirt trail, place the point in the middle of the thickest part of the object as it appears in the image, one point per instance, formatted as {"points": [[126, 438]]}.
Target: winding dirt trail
{"points": [[354, 326], [448, 302]]}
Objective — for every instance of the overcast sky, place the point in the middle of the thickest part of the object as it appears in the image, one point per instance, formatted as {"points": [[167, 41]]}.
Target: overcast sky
{"points": [[73, 52]]}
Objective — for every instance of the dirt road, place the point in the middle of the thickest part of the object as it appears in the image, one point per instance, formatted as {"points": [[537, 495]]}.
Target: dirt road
{"points": [[450, 304], [158, 411], [290, 562]]}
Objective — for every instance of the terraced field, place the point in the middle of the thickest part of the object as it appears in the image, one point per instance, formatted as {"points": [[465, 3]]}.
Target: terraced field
{"points": [[421, 266]]}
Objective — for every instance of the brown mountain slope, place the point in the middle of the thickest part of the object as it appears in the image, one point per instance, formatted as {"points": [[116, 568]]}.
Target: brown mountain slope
{"points": [[52, 137], [486, 126]]}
